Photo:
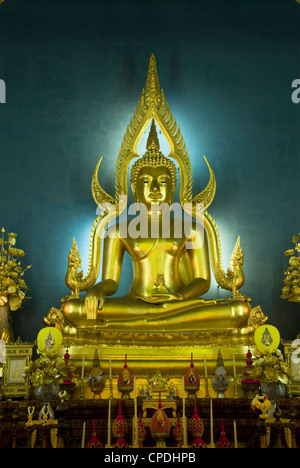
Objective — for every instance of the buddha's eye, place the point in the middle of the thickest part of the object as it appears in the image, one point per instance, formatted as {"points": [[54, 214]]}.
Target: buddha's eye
{"points": [[145, 180], [163, 180]]}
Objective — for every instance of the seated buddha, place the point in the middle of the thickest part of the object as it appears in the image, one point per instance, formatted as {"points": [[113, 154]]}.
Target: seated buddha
{"points": [[158, 298], [171, 265]]}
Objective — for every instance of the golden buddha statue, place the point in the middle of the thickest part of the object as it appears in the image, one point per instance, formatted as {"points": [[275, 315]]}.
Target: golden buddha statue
{"points": [[172, 261]]}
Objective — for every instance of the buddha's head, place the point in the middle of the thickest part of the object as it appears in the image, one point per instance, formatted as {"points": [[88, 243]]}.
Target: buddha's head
{"points": [[153, 177]]}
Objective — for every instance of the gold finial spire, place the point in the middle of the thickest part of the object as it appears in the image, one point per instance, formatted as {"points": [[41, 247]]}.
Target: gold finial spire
{"points": [[152, 89], [152, 142]]}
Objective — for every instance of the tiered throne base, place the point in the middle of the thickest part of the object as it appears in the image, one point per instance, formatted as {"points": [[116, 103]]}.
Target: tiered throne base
{"points": [[166, 353]]}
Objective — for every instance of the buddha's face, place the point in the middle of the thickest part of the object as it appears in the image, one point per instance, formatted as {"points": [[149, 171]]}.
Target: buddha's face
{"points": [[154, 185]]}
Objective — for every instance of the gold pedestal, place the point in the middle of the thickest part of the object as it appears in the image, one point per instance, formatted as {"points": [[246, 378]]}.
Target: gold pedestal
{"points": [[169, 354], [160, 439]]}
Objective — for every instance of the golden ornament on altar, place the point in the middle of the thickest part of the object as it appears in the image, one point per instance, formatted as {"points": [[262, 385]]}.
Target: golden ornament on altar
{"points": [[267, 338], [13, 288], [191, 380], [49, 339], [291, 289], [96, 377], [160, 425], [261, 403], [125, 381]]}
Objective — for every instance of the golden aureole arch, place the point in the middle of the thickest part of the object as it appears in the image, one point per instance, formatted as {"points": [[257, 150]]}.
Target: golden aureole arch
{"points": [[163, 317]]}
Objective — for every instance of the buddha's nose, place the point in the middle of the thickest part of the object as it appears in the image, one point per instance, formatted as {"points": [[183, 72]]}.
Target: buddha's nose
{"points": [[154, 186]]}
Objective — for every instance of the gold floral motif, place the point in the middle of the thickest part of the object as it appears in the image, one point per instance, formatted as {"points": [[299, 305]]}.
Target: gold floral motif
{"points": [[291, 289], [271, 368], [48, 368], [12, 285]]}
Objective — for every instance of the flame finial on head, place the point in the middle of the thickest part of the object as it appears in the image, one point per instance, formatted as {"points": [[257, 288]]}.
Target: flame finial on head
{"points": [[152, 88]]}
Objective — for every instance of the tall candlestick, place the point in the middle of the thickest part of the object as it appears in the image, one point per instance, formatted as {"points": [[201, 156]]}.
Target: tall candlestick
{"points": [[109, 424], [82, 368], [82, 380], [83, 436], [205, 367], [235, 435], [234, 378], [206, 378], [135, 432], [183, 415], [110, 377], [212, 445], [234, 368]]}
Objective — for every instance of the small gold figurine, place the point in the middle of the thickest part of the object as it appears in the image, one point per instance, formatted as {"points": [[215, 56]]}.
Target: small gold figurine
{"points": [[261, 403]]}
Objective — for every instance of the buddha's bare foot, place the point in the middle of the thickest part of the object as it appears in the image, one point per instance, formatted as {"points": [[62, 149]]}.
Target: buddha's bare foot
{"points": [[55, 318], [245, 331]]}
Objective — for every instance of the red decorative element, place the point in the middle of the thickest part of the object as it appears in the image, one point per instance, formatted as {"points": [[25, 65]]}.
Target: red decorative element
{"points": [[160, 421], [121, 443], [94, 441], [191, 378], [248, 368], [178, 430], [223, 442], [192, 363], [69, 380], [142, 431], [119, 426], [198, 443], [196, 426], [125, 378]]}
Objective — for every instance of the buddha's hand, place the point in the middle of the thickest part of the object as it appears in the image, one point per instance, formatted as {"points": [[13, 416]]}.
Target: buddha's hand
{"points": [[161, 298], [94, 300]]}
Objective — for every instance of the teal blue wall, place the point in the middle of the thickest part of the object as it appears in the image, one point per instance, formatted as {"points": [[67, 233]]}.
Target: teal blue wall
{"points": [[74, 71]]}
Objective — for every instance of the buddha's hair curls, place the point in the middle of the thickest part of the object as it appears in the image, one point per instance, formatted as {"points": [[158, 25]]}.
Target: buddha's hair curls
{"points": [[152, 159]]}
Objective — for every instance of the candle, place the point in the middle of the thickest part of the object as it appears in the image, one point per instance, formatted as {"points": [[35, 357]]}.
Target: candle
{"points": [[110, 376], [235, 435], [211, 424], [135, 414], [205, 367], [109, 424], [83, 436], [82, 368], [234, 368], [183, 415]]}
